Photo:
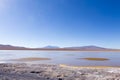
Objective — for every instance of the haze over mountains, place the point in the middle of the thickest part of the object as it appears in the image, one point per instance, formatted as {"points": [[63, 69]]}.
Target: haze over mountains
{"points": [[82, 48]]}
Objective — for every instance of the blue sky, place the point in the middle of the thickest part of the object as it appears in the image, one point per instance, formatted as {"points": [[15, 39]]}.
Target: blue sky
{"points": [[37, 23]]}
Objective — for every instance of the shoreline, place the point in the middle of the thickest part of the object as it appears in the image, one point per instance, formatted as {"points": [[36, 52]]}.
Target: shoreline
{"points": [[90, 67], [23, 71], [68, 50]]}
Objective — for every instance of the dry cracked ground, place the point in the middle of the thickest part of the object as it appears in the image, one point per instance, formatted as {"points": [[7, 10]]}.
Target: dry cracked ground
{"points": [[56, 72]]}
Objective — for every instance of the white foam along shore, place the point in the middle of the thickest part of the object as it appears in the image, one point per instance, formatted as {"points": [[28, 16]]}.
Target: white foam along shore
{"points": [[57, 72]]}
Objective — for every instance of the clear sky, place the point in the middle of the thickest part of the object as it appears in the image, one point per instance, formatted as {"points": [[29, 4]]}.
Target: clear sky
{"points": [[37, 23]]}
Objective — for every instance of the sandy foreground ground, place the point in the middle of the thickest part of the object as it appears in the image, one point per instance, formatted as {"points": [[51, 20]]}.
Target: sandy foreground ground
{"points": [[56, 72]]}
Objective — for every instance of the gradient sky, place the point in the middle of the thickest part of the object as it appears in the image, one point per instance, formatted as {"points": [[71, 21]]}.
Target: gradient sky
{"points": [[37, 23]]}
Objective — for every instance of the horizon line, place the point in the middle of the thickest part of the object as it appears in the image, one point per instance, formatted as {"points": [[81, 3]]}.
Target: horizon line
{"points": [[57, 46]]}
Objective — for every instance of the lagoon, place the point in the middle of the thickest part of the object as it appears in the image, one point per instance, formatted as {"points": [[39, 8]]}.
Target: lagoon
{"points": [[60, 57]]}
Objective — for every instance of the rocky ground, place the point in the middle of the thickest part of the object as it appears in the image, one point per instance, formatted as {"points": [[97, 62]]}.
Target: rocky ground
{"points": [[56, 72]]}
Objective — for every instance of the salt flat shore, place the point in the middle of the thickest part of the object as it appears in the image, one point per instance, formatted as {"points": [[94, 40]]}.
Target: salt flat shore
{"points": [[56, 72]]}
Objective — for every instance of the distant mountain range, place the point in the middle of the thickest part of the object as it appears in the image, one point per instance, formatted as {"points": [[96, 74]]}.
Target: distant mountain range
{"points": [[56, 48], [87, 48], [10, 47], [51, 47]]}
